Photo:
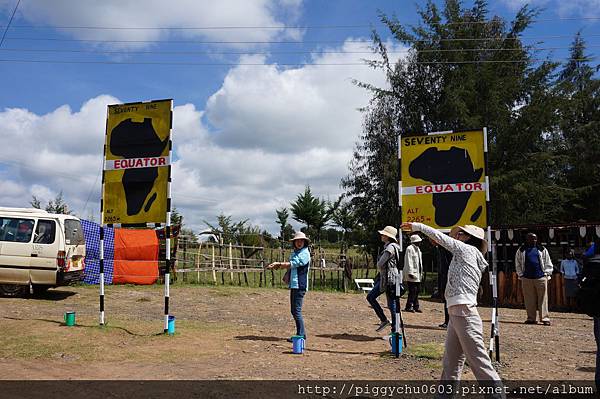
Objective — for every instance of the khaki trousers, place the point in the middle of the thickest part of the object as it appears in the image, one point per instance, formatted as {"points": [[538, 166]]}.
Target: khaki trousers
{"points": [[465, 342], [535, 294]]}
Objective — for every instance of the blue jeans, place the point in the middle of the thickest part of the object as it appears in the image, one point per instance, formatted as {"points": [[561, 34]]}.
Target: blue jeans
{"points": [[597, 337], [372, 299], [296, 299]]}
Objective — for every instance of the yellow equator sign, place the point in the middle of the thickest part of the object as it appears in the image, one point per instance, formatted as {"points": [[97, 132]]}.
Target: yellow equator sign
{"points": [[136, 162], [444, 179]]}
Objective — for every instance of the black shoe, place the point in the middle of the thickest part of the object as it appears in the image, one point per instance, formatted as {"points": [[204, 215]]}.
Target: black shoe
{"points": [[418, 311], [382, 325], [443, 325], [409, 310]]}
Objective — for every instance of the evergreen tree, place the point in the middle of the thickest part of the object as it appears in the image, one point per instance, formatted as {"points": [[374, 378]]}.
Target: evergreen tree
{"points": [[579, 128], [464, 70]]}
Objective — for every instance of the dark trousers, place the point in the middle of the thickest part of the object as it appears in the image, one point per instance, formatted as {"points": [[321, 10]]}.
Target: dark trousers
{"points": [[412, 302], [296, 299], [597, 337], [391, 302], [446, 315]]}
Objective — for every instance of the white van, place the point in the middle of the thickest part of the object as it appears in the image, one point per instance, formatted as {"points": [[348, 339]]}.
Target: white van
{"points": [[39, 249]]}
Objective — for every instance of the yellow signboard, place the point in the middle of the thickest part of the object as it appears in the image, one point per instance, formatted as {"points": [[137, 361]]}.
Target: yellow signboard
{"points": [[444, 179], [136, 163]]}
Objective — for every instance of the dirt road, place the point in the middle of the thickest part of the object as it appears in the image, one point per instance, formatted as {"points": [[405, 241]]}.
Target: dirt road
{"points": [[239, 333]]}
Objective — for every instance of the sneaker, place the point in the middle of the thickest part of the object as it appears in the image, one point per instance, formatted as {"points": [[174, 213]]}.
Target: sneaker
{"points": [[443, 325], [547, 323], [383, 325]]}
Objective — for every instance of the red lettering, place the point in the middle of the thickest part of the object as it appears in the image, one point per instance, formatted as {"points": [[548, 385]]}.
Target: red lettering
{"points": [[459, 186], [448, 187], [438, 188], [428, 189], [162, 161], [419, 189], [117, 164], [478, 186], [468, 187]]}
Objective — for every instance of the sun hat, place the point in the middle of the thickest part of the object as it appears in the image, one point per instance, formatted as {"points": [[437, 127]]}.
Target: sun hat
{"points": [[473, 231], [390, 232], [415, 238], [300, 236]]}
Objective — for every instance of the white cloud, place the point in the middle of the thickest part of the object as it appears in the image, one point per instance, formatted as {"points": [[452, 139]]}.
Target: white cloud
{"points": [[163, 15], [291, 110], [579, 8], [272, 131], [564, 9]]}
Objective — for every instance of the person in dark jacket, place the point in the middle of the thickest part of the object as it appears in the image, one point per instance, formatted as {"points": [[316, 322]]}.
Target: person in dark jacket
{"points": [[388, 271], [442, 259], [589, 296]]}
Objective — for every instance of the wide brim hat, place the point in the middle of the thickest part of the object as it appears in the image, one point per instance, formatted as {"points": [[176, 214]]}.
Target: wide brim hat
{"points": [[389, 231], [300, 236], [473, 231], [415, 238]]}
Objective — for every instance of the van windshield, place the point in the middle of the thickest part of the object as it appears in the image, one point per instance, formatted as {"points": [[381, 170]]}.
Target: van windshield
{"points": [[73, 232]]}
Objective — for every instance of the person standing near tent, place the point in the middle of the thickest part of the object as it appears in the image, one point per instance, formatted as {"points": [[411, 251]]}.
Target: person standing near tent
{"points": [[442, 258], [413, 271], [464, 340], [387, 266], [298, 266], [588, 296], [534, 268], [570, 270]]}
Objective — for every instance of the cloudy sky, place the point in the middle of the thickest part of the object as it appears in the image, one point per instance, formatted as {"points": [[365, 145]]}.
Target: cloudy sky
{"points": [[263, 94]]}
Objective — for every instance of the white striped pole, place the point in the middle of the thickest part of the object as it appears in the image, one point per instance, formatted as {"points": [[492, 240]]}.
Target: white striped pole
{"points": [[101, 275], [168, 231], [494, 333]]}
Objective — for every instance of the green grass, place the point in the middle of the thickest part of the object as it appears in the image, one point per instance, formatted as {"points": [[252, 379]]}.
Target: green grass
{"points": [[433, 351]]}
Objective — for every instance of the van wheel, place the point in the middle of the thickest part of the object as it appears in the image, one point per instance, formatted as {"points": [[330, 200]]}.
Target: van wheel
{"points": [[39, 289], [12, 289]]}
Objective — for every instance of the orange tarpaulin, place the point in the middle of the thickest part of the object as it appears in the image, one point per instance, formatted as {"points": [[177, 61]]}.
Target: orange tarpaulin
{"points": [[136, 257]]}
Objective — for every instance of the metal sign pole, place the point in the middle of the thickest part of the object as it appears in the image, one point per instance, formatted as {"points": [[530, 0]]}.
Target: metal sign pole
{"points": [[168, 232], [493, 273], [398, 314]]}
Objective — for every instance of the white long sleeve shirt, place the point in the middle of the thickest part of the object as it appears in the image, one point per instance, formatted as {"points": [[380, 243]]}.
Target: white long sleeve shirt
{"points": [[465, 269]]}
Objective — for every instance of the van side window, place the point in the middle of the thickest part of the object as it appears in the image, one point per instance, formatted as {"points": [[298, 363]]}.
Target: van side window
{"points": [[73, 232], [45, 233], [16, 229]]}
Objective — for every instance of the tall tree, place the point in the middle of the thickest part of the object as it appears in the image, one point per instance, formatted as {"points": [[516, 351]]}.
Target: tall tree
{"points": [[344, 217], [227, 229], [57, 205], [464, 70], [282, 221], [580, 127], [306, 208]]}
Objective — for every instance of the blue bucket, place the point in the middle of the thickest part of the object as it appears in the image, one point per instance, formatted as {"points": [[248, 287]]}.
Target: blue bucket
{"points": [[298, 344], [392, 341], [171, 325]]}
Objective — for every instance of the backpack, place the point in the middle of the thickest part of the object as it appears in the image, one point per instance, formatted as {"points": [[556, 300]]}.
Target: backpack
{"points": [[391, 277]]}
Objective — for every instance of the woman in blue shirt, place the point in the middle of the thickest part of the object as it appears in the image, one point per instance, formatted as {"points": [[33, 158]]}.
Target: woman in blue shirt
{"points": [[298, 264]]}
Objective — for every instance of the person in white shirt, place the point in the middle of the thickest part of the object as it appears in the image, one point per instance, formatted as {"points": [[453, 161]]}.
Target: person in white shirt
{"points": [[413, 272], [464, 340]]}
